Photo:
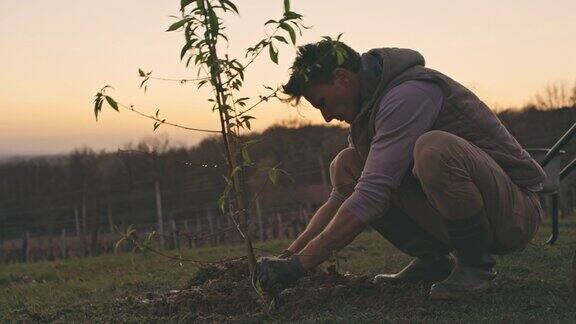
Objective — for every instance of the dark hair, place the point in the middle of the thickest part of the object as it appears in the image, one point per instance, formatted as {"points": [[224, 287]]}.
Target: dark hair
{"points": [[315, 62]]}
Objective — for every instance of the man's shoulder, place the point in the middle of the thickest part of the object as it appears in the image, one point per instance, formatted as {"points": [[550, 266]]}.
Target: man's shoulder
{"points": [[412, 91]]}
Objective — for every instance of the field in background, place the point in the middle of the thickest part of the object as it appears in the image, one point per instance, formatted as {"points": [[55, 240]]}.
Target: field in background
{"points": [[533, 285]]}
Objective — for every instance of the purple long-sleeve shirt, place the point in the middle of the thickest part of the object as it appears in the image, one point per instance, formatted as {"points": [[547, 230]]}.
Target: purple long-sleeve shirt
{"points": [[404, 113]]}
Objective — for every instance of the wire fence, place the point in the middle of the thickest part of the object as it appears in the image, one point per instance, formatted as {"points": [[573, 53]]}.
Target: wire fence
{"points": [[271, 224], [85, 228]]}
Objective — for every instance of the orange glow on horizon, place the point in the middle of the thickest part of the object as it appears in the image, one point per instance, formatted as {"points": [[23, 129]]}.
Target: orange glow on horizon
{"points": [[56, 56]]}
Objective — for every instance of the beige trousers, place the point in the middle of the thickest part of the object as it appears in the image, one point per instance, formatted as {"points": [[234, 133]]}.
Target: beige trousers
{"points": [[451, 179]]}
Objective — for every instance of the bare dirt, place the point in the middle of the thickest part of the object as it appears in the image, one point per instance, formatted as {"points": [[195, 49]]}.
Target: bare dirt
{"points": [[222, 291]]}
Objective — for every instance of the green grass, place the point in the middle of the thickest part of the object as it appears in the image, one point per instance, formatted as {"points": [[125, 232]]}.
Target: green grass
{"points": [[533, 286]]}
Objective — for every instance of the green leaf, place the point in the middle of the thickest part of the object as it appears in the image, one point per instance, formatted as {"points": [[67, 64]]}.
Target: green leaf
{"points": [[282, 39], [286, 5], [201, 83], [112, 103], [97, 105], [184, 3], [246, 120], [271, 21], [273, 175], [339, 58], [290, 31], [292, 15], [273, 53], [231, 5], [200, 4], [142, 74], [186, 47], [246, 156], [252, 142], [178, 24], [119, 243], [222, 202], [241, 73]]}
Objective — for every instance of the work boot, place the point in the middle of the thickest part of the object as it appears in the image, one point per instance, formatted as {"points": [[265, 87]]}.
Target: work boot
{"points": [[464, 283], [473, 273], [432, 268]]}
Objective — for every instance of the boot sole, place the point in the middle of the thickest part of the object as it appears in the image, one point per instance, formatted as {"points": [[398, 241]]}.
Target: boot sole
{"points": [[439, 294]]}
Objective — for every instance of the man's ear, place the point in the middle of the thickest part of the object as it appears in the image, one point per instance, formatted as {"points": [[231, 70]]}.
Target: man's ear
{"points": [[342, 76]]}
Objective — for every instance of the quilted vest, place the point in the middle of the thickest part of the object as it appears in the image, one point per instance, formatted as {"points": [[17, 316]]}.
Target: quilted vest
{"points": [[462, 114]]}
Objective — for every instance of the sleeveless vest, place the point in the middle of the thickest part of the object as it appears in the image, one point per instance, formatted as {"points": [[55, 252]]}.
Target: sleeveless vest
{"points": [[462, 114]]}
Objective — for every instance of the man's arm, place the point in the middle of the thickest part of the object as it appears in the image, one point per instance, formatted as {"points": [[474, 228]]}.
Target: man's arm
{"points": [[343, 228], [317, 224]]}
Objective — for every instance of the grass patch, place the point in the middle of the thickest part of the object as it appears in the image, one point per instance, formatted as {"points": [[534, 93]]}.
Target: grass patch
{"points": [[534, 285]]}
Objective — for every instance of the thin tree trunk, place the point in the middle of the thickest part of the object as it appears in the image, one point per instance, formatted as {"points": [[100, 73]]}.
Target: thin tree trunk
{"points": [[240, 206]]}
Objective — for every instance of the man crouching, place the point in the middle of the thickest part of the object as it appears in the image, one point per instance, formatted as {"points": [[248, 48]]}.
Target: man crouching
{"points": [[429, 167]]}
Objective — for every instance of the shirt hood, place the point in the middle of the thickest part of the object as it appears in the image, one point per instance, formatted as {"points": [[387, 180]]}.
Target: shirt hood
{"points": [[380, 66]]}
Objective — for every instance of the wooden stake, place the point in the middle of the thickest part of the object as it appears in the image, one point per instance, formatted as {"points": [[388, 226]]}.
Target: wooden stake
{"points": [[76, 221], [280, 225], [83, 238], [174, 233], [63, 248], [159, 213], [110, 220], [26, 247], [211, 225], [198, 229], [259, 219], [188, 236]]}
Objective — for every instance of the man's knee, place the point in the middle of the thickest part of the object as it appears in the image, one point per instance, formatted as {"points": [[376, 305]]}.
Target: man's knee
{"points": [[345, 169], [432, 154]]}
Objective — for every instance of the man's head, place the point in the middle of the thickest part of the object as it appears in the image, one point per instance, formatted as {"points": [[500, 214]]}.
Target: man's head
{"points": [[331, 87]]}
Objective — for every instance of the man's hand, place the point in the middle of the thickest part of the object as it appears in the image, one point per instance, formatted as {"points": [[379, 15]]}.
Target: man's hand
{"points": [[341, 231], [274, 273], [286, 254]]}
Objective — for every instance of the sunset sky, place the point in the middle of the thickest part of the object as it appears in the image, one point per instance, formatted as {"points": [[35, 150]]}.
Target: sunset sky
{"points": [[55, 55]]}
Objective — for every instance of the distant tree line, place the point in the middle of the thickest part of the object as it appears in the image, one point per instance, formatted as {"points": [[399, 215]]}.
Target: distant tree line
{"points": [[90, 191], [87, 188]]}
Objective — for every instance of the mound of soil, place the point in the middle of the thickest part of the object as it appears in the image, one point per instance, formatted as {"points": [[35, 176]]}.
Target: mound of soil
{"points": [[225, 290]]}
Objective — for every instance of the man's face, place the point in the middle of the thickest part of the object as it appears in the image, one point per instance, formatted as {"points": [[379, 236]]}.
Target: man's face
{"points": [[337, 100]]}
